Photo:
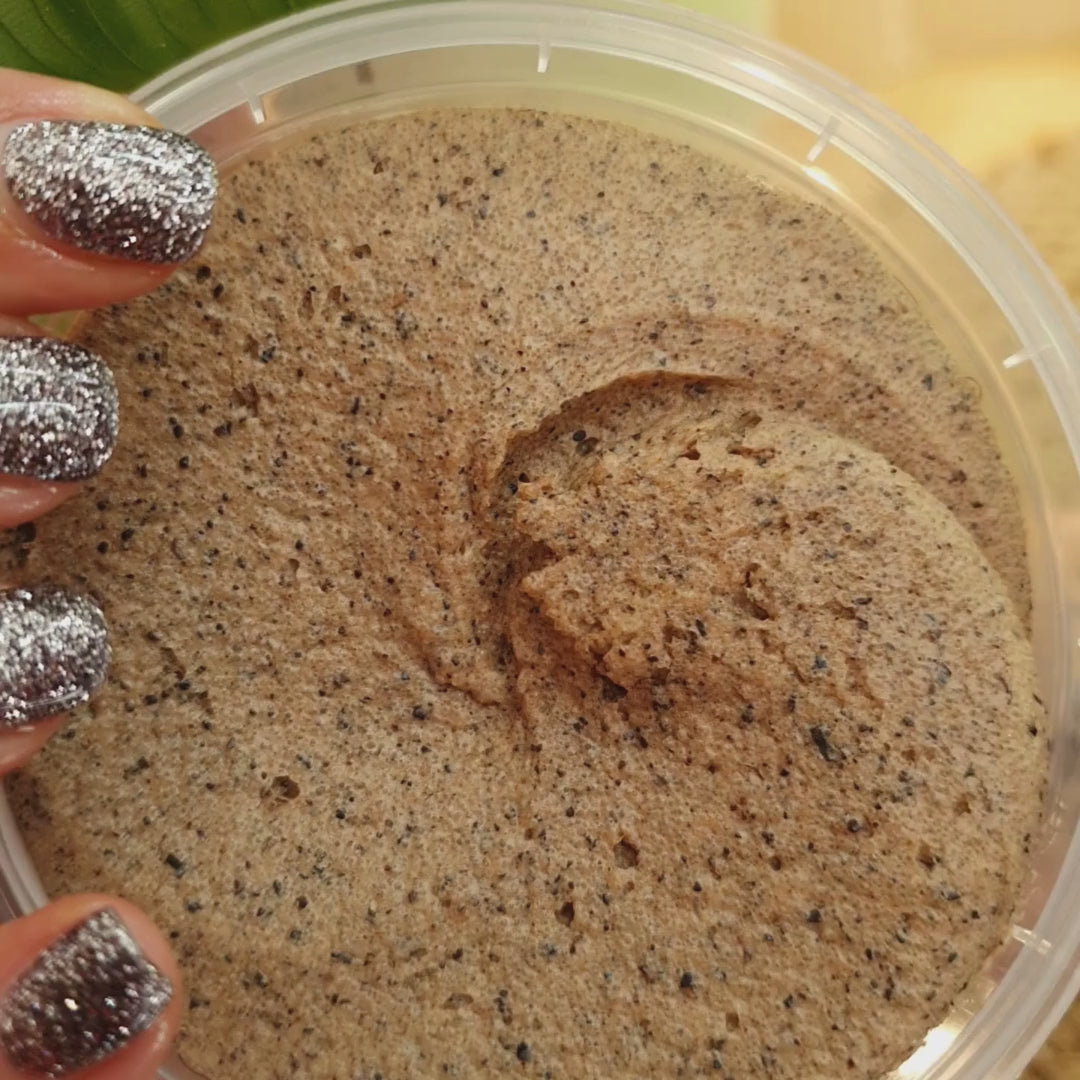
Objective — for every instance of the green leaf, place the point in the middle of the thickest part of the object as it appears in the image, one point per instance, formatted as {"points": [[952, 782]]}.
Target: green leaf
{"points": [[17, 56], [28, 29], [120, 44]]}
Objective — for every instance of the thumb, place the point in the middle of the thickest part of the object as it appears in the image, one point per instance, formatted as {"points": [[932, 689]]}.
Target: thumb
{"points": [[88, 989]]}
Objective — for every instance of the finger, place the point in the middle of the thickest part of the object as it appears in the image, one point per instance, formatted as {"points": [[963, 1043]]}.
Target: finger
{"points": [[96, 203], [22, 500], [58, 420], [88, 989], [18, 746], [54, 654]]}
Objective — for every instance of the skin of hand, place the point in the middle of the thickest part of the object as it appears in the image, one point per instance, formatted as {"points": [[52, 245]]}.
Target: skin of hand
{"points": [[88, 986]]}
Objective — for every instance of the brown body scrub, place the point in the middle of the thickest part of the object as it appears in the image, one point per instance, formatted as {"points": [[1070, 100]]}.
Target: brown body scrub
{"points": [[568, 622]]}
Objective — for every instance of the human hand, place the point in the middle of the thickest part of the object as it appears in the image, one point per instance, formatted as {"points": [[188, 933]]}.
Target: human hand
{"points": [[96, 205]]}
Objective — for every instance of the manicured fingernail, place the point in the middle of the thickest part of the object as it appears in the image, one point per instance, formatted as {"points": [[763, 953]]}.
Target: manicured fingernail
{"points": [[58, 409], [54, 653], [114, 189], [88, 995]]}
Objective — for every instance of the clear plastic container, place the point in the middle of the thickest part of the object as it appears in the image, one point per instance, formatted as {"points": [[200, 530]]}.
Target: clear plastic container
{"points": [[742, 98]]}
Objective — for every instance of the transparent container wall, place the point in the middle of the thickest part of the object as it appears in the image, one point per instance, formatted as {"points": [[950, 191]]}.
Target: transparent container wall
{"points": [[1008, 328]]}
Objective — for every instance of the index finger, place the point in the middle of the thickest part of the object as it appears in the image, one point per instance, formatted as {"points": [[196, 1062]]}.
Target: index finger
{"points": [[97, 203]]}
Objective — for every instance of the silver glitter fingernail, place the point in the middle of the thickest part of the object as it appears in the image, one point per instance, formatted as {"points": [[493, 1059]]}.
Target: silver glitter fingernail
{"points": [[58, 409], [54, 653], [89, 994], [114, 189]]}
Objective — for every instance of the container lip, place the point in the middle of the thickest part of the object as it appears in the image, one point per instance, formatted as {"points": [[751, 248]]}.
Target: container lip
{"points": [[808, 92], [827, 105]]}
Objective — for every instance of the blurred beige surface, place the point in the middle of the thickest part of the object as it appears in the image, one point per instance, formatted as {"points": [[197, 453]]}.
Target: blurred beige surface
{"points": [[986, 79], [997, 84]]}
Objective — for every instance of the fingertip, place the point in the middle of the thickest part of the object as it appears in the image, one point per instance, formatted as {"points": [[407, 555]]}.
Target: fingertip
{"points": [[89, 988], [98, 203], [23, 499], [93, 188], [25, 94], [151, 939], [54, 653], [61, 409], [37, 931], [19, 746]]}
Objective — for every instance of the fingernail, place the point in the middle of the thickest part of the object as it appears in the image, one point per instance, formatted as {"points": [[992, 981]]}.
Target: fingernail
{"points": [[88, 995], [54, 652], [114, 189], [58, 409]]}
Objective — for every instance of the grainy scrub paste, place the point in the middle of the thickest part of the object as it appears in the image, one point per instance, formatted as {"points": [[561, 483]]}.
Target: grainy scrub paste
{"points": [[569, 622]]}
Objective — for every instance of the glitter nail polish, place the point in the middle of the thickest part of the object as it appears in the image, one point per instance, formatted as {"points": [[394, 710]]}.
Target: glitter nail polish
{"points": [[54, 653], [140, 193], [88, 995], [58, 409]]}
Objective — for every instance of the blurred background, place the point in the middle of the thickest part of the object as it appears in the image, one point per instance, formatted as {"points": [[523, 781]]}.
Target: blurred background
{"points": [[995, 82]]}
